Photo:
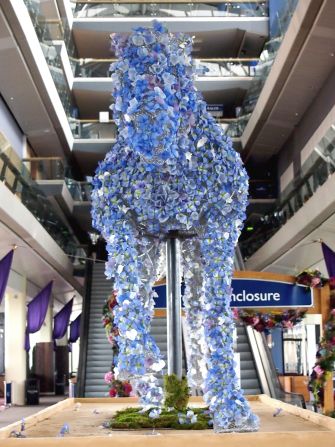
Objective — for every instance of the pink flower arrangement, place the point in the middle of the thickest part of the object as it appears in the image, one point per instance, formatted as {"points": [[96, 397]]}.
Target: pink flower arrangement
{"points": [[109, 377], [117, 388], [264, 322], [311, 278]]}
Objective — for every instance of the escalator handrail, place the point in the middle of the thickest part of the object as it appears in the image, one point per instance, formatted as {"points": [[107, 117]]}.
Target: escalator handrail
{"points": [[84, 329]]}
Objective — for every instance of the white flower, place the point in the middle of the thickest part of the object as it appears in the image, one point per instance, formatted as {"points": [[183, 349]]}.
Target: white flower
{"points": [[131, 335]]}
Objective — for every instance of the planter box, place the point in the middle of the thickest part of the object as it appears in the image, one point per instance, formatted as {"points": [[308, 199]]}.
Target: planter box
{"points": [[293, 426]]}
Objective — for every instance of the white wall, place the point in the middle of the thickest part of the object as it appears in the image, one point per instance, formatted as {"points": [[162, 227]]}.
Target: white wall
{"points": [[11, 130]]}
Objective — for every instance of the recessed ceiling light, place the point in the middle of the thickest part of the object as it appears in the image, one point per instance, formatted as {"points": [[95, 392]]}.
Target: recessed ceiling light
{"points": [[332, 54], [11, 98], [296, 114]]}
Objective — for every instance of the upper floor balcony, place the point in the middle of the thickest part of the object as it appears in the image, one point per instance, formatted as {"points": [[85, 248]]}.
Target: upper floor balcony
{"points": [[26, 210], [219, 28], [89, 9], [306, 202]]}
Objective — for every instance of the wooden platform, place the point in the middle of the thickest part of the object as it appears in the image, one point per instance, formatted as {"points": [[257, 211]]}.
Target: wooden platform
{"points": [[85, 417]]}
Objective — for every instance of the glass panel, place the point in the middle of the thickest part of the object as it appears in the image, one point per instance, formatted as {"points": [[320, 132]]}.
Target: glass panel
{"points": [[253, 8], [314, 173], [267, 57]]}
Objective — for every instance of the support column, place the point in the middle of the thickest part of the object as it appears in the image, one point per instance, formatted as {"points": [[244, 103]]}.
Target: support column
{"points": [[15, 325], [173, 304]]}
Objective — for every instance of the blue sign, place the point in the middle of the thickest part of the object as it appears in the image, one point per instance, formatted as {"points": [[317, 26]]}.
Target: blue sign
{"points": [[257, 293], [263, 293]]}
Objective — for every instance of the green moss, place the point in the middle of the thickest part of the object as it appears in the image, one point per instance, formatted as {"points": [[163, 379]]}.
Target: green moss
{"points": [[131, 418], [176, 392]]}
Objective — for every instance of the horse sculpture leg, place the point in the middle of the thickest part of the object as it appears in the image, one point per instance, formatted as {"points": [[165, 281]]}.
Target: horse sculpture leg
{"points": [[231, 411], [131, 261], [147, 387], [193, 300]]}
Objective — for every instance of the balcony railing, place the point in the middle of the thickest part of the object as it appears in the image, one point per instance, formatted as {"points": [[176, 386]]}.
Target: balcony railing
{"points": [[47, 31], [267, 58], [17, 178], [46, 168], [94, 129], [80, 191], [217, 67], [237, 8], [315, 172]]}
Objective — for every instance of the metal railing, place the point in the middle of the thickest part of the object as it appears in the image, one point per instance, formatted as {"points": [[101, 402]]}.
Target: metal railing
{"points": [[93, 129], [217, 67], [17, 178], [314, 173], [47, 31], [266, 61], [80, 191], [237, 8], [46, 168]]}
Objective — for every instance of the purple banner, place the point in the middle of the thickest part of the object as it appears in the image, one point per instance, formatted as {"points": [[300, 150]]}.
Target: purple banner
{"points": [[37, 310], [75, 330], [329, 256], [5, 265], [61, 321]]}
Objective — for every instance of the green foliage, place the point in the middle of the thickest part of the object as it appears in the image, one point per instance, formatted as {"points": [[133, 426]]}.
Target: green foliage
{"points": [[131, 418], [176, 392]]}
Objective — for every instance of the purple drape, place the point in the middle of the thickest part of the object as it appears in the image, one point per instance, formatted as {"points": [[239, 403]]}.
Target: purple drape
{"points": [[5, 265], [75, 330], [37, 310], [61, 321], [329, 256]]}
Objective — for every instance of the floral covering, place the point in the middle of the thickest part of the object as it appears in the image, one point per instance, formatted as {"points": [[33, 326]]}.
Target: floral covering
{"points": [[171, 169], [325, 360], [108, 319], [311, 278], [264, 322]]}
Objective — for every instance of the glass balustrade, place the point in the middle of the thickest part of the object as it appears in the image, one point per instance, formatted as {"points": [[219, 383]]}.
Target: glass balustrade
{"points": [[266, 60], [47, 32], [46, 168], [17, 177], [80, 191], [253, 8], [99, 68], [316, 170], [93, 129]]}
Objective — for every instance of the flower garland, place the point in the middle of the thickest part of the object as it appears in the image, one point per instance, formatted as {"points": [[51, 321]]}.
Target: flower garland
{"points": [[311, 278], [108, 319], [171, 169], [325, 360], [265, 322]]}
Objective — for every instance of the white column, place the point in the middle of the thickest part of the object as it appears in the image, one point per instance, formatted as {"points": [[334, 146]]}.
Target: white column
{"points": [[45, 333], [15, 325]]}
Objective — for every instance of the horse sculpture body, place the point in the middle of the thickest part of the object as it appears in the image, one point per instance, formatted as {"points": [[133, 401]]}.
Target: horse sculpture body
{"points": [[171, 169]]}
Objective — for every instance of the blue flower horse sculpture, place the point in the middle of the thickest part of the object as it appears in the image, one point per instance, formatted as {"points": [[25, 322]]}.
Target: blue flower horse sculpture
{"points": [[171, 169]]}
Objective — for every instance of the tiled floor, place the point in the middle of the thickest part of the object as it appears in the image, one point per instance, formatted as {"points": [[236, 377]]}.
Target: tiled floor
{"points": [[16, 413]]}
